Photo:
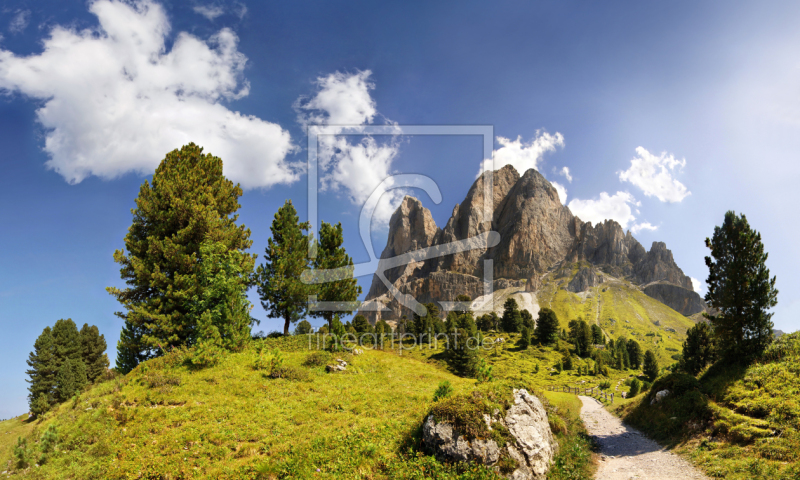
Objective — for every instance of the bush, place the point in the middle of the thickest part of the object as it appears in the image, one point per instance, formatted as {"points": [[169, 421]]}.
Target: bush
{"points": [[289, 372], [22, 456], [484, 372], [635, 388], [274, 334], [443, 391], [48, 442], [268, 360], [318, 359], [605, 385], [568, 363]]}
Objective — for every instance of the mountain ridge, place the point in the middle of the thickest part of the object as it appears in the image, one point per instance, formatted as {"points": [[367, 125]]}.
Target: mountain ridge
{"points": [[538, 235]]}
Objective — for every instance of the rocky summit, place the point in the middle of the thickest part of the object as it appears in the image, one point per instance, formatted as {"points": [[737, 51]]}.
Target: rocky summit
{"points": [[540, 239]]}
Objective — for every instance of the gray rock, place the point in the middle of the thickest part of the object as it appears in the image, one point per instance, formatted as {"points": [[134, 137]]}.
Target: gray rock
{"points": [[537, 234], [680, 299], [532, 445], [584, 280], [659, 396]]}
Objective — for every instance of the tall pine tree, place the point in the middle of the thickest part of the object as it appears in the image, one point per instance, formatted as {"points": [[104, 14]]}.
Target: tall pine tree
{"points": [[512, 318], [739, 289], [335, 269], [547, 327], [188, 202], [43, 370], [93, 352], [283, 294]]}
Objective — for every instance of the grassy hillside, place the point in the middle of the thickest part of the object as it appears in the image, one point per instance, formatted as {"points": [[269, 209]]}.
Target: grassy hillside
{"points": [[166, 420], [735, 422], [620, 308]]}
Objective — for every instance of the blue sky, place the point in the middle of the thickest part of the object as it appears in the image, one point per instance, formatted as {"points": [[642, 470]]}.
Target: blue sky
{"points": [[666, 115]]}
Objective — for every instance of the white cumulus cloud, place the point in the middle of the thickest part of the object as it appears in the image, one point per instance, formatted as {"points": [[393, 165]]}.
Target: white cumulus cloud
{"points": [[523, 155], [565, 173], [115, 100], [605, 207], [353, 163], [643, 226], [20, 21], [653, 174], [562, 192], [697, 285], [209, 11]]}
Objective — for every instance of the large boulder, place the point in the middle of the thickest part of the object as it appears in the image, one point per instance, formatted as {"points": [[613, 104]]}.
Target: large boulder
{"points": [[527, 448]]}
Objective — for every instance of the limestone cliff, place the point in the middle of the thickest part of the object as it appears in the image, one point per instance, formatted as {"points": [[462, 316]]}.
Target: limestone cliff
{"points": [[537, 235]]}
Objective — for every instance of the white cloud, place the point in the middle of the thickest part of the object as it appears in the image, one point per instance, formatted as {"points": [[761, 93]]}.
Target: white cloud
{"points": [[697, 285], [209, 11], [562, 192], [653, 174], [115, 100], [565, 173], [643, 226], [612, 207], [523, 156], [359, 167], [20, 21]]}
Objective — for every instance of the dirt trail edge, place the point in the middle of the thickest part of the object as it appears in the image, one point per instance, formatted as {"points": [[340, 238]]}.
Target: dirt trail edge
{"points": [[625, 453]]}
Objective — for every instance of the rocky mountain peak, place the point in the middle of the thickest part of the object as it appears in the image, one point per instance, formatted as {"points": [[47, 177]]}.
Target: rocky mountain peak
{"points": [[537, 233]]}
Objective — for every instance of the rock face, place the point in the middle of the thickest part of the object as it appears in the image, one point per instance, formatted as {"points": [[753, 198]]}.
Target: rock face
{"points": [[537, 234], [531, 446], [680, 299], [585, 279]]}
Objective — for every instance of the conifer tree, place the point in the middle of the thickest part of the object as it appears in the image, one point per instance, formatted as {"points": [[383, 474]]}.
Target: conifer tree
{"points": [[67, 341], [93, 352], [650, 368], [512, 319], [547, 327], [43, 370], [221, 305], [361, 324], [303, 328], [283, 294], [188, 202], [698, 348], [463, 344], [525, 338], [527, 319], [597, 335], [335, 267], [634, 354], [71, 379], [739, 289]]}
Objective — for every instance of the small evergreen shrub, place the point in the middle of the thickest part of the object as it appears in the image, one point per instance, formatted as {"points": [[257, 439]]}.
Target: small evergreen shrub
{"points": [[635, 388], [289, 372], [318, 359], [443, 391]]}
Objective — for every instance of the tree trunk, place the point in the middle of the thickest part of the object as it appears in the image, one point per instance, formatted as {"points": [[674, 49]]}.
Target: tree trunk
{"points": [[286, 326]]}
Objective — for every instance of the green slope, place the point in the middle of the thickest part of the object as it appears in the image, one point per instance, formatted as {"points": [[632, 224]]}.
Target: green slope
{"points": [[166, 420], [735, 422], [621, 309]]}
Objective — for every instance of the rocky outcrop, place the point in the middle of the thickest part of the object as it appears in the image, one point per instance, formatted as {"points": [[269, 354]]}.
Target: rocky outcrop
{"points": [[658, 265], [530, 444], [585, 279], [537, 234], [411, 228], [680, 299]]}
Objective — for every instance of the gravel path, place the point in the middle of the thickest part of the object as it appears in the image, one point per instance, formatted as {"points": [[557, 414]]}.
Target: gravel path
{"points": [[625, 453]]}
